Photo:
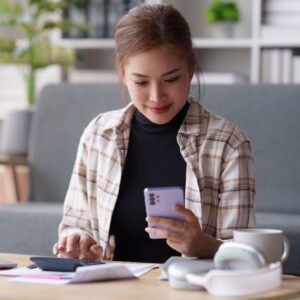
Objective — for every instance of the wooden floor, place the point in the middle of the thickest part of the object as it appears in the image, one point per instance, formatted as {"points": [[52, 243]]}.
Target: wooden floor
{"points": [[7, 192]]}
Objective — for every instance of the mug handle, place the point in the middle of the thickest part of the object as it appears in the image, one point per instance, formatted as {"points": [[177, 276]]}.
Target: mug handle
{"points": [[286, 249]]}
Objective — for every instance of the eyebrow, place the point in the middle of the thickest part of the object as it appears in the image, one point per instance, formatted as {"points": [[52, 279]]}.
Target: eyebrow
{"points": [[164, 74]]}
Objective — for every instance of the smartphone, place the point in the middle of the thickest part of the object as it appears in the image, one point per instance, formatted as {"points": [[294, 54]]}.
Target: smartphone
{"points": [[160, 201]]}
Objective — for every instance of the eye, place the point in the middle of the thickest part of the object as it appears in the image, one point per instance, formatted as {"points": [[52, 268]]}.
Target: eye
{"points": [[142, 83], [173, 79]]}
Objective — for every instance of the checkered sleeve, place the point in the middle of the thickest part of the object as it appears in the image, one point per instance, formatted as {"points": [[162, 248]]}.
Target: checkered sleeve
{"points": [[237, 190], [76, 212]]}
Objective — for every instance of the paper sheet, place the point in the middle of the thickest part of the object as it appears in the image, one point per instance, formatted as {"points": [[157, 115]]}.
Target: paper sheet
{"points": [[26, 271], [141, 268], [82, 274]]}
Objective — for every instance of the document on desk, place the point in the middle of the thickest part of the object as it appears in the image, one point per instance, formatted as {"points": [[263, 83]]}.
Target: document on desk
{"points": [[107, 271]]}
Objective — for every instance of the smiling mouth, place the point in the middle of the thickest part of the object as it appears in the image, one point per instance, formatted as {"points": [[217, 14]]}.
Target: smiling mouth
{"points": [[159, 110]]}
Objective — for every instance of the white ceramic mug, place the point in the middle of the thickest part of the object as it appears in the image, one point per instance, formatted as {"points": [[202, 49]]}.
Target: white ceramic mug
{"points": [[272, 243]]}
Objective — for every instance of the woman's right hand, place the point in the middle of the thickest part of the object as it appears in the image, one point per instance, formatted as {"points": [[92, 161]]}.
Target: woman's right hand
{"points": [[81, 246]]}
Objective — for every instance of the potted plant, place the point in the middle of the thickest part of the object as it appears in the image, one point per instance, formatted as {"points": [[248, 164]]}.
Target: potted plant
{"points": [[223, 15], [32, 22]]}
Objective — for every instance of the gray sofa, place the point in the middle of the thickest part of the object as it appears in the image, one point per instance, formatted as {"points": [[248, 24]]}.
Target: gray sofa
{"points": [[268, 114]]}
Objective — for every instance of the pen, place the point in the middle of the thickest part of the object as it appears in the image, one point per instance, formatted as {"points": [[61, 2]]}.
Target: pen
{"points": [[32, 266]]}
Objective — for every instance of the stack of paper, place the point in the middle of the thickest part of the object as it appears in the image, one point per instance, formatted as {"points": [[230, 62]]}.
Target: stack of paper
{"points": [[83, 274]]}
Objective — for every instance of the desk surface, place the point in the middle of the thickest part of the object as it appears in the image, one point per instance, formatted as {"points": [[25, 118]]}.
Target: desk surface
{"points": [[146, 287]]}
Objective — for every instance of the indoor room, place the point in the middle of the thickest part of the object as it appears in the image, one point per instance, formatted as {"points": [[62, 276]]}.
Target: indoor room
{"points": [[149, 139]]}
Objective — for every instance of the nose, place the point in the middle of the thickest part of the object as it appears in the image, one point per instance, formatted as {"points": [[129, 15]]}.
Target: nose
{"points": [[157, 93]]}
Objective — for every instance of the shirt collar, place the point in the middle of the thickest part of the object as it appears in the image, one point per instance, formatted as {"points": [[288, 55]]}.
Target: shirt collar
{"points": [[193, 118], [121, 119]]}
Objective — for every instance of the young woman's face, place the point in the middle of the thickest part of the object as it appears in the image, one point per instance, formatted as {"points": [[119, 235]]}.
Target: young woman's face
{"points": [[158, 82]]}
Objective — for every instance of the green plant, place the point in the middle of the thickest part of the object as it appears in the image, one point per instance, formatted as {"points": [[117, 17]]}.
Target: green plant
{"points": [[32, 22], [219, 11]]}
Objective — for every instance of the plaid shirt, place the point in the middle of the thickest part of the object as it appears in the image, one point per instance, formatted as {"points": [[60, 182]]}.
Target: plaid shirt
{"points": [[220, 176]]}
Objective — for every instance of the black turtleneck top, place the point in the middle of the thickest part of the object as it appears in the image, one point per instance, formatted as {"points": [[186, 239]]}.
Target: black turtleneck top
{"points": [[153, 160]]}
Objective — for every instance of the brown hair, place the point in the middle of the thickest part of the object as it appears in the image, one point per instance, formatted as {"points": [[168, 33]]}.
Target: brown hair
{"points": [[146, 27]]}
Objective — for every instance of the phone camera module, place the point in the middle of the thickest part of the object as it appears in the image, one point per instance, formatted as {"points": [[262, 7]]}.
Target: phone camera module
{"points": [[152, 199]]}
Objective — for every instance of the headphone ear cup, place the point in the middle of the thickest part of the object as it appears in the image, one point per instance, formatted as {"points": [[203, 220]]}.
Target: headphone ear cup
{"points": [[238, 256]]}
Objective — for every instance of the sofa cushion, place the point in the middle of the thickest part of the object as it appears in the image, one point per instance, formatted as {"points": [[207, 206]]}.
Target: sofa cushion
{"points": [[269, 115], [62, 113], [29, 228]]}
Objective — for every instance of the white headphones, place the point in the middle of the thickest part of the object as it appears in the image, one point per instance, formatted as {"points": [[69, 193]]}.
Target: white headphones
{"points": [[238, 256], [237, 269]]}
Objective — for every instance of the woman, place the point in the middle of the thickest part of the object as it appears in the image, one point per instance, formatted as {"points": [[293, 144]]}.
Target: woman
{"points": [[162, 138]]}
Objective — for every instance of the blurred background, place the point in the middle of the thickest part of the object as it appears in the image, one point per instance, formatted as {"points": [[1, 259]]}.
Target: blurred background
{"points": [[44, 42]]}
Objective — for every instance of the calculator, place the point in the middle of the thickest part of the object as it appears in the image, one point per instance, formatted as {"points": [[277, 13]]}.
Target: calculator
{"points": [[58, 264]]}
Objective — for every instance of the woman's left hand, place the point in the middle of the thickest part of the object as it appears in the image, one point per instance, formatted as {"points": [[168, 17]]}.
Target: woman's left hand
{"points": [[185, 236]]}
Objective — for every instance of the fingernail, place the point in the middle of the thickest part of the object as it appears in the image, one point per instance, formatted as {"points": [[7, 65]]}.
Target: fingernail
{"points": [[95, 249]]}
